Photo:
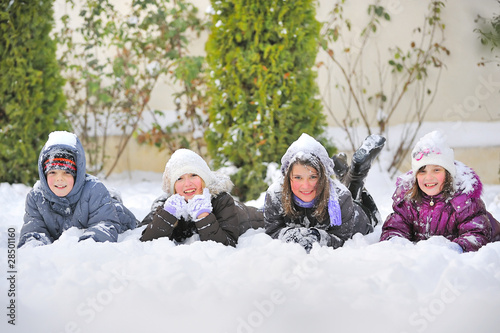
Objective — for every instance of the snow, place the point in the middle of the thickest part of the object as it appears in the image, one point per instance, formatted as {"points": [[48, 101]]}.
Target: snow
{"points": [[467, 182], [61, 137], [262, 285], [433, 140]]}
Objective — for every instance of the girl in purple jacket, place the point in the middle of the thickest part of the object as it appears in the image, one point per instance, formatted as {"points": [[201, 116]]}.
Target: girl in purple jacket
{"points": [[440, 197]]}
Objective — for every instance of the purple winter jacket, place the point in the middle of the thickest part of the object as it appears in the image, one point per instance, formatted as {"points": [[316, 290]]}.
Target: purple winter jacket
{"points": [[462, 219]]}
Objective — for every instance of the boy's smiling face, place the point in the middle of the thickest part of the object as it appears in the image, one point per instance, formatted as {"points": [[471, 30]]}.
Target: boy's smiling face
{"points": [[60, 182]]}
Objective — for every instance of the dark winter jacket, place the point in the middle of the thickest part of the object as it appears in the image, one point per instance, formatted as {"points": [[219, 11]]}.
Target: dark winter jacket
{"points": [[462, 219], [228, 220], [88, 206], [354, 219]]}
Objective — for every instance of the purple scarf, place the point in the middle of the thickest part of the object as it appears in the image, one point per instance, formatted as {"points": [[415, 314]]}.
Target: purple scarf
{"points": [[333, 206], [303, 204]]}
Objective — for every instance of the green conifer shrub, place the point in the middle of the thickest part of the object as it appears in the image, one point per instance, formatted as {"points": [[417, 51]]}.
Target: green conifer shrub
{"points": [[31, 96], [261, 85]]}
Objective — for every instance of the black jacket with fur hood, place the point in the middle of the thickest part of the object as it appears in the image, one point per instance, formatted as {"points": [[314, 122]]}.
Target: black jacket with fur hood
{"points": [[227, 221]]}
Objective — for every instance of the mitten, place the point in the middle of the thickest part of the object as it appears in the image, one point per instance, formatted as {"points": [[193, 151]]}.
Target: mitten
{"points": [[176, 205], [201, 203], [455, 247], [399, 240]]}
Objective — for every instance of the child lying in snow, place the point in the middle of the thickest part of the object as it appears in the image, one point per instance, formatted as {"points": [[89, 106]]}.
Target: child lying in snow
{"points": [[65, 197], [197, 200], [440, 196], [308, 206]]}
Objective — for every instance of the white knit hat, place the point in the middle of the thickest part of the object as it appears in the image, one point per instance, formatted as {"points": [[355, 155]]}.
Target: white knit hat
{"points": [[432, 149], [185, 161]]}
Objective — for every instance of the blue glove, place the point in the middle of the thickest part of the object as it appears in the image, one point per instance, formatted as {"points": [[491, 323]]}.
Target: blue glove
{"points": [[455, 247], [176, 205], [201, 203], [85, 236], [33, 240]]}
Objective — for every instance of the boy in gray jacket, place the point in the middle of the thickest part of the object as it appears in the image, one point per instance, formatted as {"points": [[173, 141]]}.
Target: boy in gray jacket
{"points": [[65, 197]]}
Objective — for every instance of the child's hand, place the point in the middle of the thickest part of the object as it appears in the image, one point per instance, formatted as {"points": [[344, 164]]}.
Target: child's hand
{"points": [[176, 205], [303, 236], [200, 205], [455, 247], [35, 239], [32, 242], [399, 240], [85, 236]]}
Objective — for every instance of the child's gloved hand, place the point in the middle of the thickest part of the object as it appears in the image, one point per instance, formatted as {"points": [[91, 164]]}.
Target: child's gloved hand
{"points": [[176, 205], [455, 247], [199, 204], [35, 239], [86, 236], [399, 240], [304, 236]]}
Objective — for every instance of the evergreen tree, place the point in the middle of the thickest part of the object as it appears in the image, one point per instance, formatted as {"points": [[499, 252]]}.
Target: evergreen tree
{"points": [[31, 95], [262, 88]]}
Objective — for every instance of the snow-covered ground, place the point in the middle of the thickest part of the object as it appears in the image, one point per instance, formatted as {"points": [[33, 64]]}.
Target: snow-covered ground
{"points": [[262, 285]]}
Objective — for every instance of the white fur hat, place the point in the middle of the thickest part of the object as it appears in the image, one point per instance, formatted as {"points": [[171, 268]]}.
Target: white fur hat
{"points": [[432, 149], [185, 161]]}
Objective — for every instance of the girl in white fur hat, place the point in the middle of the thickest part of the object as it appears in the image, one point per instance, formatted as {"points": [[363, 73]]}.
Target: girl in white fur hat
{"points": [[197, 202]]}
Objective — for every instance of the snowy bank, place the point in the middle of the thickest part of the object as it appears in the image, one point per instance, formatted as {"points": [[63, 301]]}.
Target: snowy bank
{"points": [[262, 285]]}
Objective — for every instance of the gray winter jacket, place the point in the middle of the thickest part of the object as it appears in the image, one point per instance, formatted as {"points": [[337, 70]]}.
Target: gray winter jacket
{"points": [[88, 206]]}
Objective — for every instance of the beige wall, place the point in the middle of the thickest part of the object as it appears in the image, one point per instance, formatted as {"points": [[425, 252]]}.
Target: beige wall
{"points": [[467, 92], [138, 157], [484, 160]]}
